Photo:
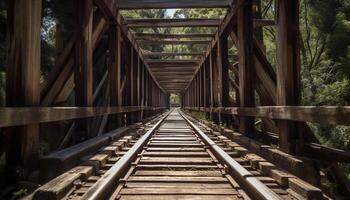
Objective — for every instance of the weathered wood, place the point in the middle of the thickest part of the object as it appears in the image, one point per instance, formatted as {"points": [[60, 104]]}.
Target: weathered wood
{"points": [[205, 85], [149, 4], [173, 54], [246, 64], [59, 187], [145, 36], [288, 71], [190, 66], [23, 116], [224, 72], [211, 80], [22, 84], [173, 69], [59, 65], [324, 153], [109, 9], [173, 42], [315, 114], [180, 61], [176, 191], [176, 73], [264, 22], [58, 86], [172, 22], [114, 67], [186, 22], [228, 22], [83, 66], [138, 79]]}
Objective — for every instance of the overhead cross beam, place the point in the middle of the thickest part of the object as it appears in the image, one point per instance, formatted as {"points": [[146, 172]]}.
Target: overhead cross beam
{"points": [[173, 22], [174, 42], [179, 61], [160, 69], [186, 22], [144, 36], [163, 4], [173, 54]]}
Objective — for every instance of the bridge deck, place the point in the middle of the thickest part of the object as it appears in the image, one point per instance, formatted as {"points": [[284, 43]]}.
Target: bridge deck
{"points": [[177, 158]]}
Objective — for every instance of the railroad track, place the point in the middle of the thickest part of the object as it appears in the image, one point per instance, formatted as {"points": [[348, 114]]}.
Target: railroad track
{"points": [[178, 158]]}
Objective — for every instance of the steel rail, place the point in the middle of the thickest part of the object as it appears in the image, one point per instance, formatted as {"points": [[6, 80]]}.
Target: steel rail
{"points": [[102, 187], [256, 187]]}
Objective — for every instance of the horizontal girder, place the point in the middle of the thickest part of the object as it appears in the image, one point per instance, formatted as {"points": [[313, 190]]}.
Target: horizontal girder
{"points": [[143, 36], [149, 4], [172, 22]]}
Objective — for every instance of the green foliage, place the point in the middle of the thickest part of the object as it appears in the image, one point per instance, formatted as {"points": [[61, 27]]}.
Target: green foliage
{"points": [[20, 193], [199, 115], [174, 99], [325, 54], [325, 60], [336, 93]]}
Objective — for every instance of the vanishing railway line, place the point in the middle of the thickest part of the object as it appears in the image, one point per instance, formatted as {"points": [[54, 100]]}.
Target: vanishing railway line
{"points": [[176, 158]]}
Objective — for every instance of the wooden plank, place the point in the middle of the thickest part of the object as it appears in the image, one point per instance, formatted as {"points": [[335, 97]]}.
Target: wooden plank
{"points": [[172, 73], [164, 179], [320, 152], [264, 22], [114, 72], [205, 85], [177, 185], [152, 4], [211, 80], [23, 84], [288, 71], [246, 64], [172, 61], [83, 68], [147, 54], [176, 191], [172, 22], [59, 187], [176, 197], [317, 114], [175, 149], [138, 78], [186, 22], [173, 42], [203, 173], [173, 67], [176, 154], [130, 73], [305, 189], [224, 73], [145, 36], [23, 116]]}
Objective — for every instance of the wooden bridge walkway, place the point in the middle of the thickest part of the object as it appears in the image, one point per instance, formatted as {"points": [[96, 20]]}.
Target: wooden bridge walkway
{"points": [[176, 158], [122, 140]]}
